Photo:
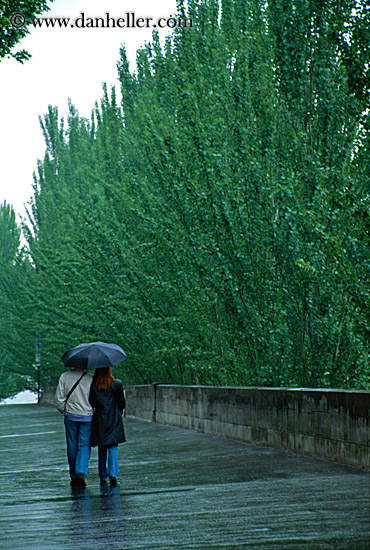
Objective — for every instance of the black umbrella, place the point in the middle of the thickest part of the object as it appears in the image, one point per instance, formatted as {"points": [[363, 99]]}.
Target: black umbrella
{"points": [[93, 356]]}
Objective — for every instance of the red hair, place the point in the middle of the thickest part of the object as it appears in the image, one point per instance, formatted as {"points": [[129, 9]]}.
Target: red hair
{"points": [[103, 379]]}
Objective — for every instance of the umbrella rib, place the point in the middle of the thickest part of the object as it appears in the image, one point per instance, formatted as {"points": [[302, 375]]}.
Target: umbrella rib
{"points": [[93, 347]]}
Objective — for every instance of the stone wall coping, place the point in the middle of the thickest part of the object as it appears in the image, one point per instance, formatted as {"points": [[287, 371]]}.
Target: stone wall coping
{"points": [[259, 388]]}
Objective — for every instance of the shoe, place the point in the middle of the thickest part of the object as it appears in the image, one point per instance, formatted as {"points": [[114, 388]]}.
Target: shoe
{"points": [[80, 481], [74, 482], [112, 481]]}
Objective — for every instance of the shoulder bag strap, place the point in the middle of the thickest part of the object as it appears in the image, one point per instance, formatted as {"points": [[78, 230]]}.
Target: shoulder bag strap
{"points": [[73, 389]]}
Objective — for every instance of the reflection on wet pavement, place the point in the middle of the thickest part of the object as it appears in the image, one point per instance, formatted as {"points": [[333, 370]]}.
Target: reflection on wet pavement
{"points": [[179, 489]]}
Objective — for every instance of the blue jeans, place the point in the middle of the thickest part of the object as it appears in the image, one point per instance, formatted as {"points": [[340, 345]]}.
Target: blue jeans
{"points": [[78, 436], [112, 454]]}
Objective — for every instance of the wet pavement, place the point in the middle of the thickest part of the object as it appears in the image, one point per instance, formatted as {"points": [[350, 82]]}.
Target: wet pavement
{"points": [[179, 489]]}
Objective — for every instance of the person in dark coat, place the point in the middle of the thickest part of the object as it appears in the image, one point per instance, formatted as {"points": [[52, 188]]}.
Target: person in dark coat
{"points": [[108, 402]]}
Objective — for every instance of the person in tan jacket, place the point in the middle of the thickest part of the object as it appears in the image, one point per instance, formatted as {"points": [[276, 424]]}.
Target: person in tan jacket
{"points": [[72, 400]]}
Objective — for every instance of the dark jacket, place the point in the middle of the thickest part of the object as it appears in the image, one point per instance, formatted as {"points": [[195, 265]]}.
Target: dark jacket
{"points": [[107, 425]]}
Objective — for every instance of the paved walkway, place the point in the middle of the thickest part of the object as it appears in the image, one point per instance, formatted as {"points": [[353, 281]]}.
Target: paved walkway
{"points": [[179, 489]]}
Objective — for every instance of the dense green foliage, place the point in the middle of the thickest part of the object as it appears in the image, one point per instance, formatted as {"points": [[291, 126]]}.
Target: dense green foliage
{"points": [[216, 223], [12, 31], [11, 377]]}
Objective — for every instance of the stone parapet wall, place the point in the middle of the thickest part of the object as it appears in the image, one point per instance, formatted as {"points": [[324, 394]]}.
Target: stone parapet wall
{"points": [[48, 395], [331, 424], [140, 402]]}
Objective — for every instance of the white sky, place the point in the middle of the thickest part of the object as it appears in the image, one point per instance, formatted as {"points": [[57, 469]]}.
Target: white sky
{"points": [[66, 63]]}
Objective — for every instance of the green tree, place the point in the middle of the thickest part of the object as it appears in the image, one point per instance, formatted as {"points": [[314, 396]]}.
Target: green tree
{"points": [[215, 224], [15, 18], [11, 375], [9, 234]]}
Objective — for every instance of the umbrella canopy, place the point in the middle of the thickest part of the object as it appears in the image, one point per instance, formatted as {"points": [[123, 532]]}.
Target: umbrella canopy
{"points": [[93, 356]]}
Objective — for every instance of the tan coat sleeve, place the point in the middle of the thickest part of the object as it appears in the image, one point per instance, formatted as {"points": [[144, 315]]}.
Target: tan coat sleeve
{"points": [[60, 394]]}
